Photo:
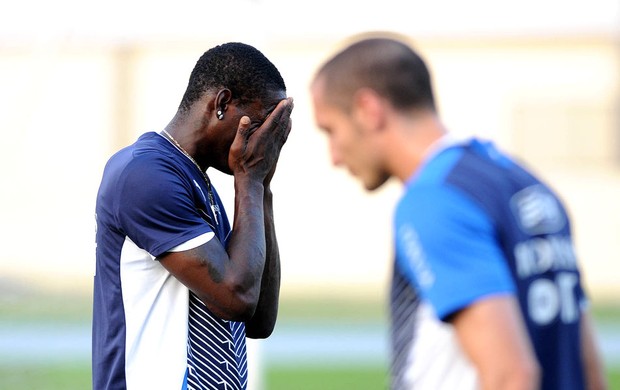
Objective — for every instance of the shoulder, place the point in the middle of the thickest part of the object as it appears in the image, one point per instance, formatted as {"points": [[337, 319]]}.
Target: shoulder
{"points": [[437, 206], [143, 171], [151, 162], [149, 149]]}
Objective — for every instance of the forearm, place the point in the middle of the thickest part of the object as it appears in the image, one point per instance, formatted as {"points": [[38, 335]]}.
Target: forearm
{"points": [[247, 247], [264, 320]]}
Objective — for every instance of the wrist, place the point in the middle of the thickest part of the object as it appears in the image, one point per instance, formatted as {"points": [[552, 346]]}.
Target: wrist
{"points": [[248, 182]]}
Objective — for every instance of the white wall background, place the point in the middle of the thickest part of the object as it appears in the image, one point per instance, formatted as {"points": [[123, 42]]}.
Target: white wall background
{"points": [[65, 66]]}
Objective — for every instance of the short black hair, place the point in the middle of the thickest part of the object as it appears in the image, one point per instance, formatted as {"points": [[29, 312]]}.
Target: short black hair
{"points": [[386, 65], [241, 68]]}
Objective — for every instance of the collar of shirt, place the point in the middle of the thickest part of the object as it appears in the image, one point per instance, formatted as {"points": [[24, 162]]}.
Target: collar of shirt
{"points": [[442, 143]]}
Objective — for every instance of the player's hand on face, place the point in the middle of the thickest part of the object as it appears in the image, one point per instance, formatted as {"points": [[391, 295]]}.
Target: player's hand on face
{"points": [[255, 150]]}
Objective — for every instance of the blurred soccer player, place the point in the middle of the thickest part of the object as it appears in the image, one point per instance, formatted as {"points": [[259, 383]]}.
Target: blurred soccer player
{"points": [[486, 290]]}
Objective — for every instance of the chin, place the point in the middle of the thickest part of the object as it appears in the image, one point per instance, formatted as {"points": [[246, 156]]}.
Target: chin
{"points": [[372, 185]]}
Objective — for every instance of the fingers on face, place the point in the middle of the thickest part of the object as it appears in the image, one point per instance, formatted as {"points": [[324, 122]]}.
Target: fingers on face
{"points": [[287, 131], [283, 118], [277, 125], [281, 112]]}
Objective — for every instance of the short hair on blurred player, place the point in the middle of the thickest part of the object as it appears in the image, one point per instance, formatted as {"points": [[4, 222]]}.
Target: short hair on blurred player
{"points": [[389, 67]]}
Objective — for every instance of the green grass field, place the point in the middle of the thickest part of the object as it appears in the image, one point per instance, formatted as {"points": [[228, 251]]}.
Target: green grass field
{"points": [[76, 375]]}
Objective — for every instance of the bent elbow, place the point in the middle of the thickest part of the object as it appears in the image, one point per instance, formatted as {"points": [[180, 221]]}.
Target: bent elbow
{"points": [[258, 335], [244, 310], [240, 305], [259, 332]]}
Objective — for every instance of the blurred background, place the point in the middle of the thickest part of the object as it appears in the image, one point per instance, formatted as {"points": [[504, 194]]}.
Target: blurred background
{"points": [[81, 79]]}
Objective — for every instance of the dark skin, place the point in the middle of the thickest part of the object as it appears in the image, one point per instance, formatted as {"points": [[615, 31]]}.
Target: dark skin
{"points": [[240, 282]]}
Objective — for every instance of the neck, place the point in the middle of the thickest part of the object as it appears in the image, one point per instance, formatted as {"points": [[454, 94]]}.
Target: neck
{"points": [[185, 137], [214, 206], [182, 150], [410, 143]]}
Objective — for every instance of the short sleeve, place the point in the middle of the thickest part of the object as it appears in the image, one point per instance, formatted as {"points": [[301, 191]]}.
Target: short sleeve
{"points": [[447, 246], [156, 206]]}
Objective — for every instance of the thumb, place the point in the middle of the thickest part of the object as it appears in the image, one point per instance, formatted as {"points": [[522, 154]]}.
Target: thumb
{"points": [[245, 120]]}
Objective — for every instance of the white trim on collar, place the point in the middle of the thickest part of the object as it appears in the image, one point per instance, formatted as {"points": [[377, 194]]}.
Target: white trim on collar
{"points": [[441, 144], [444, 142]]}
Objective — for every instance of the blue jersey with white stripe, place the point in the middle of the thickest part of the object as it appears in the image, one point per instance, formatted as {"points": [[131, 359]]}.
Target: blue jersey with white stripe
{"points": [[473, 223], [149, 330]]}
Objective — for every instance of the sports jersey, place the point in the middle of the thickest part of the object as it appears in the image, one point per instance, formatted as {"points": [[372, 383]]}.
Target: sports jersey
{"points": [[473, 223], [149, 330]]}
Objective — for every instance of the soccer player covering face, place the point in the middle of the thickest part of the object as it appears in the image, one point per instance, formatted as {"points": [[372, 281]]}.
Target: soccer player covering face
{"points": [[176, 289], [486, 290]]}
